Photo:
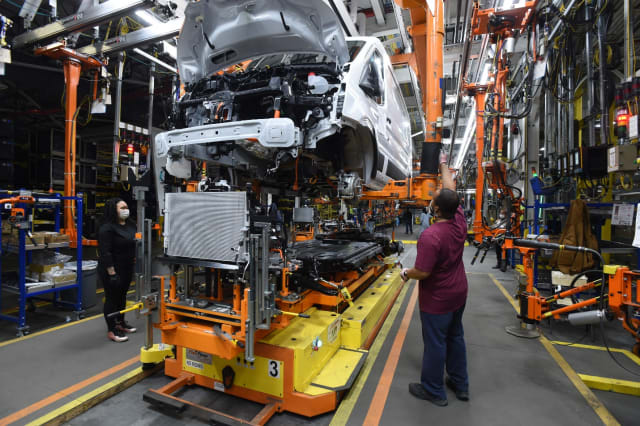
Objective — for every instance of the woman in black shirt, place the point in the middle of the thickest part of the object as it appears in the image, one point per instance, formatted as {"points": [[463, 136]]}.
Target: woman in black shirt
{"points": [[117, 250]]}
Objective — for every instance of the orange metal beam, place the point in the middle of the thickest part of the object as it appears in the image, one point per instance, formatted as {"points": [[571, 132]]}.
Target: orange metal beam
{"points": [[433, 59], [411, 4], [480, 94], [72, 70], [521, 17], [73, 64], [427, 31], [406, 58]]}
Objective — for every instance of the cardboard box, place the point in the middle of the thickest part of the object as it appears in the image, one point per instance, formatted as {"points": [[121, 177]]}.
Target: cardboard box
{"points": [[38, 237], [41, 269], [13, 240], [55, 237], [59, 277], [558, 278]]}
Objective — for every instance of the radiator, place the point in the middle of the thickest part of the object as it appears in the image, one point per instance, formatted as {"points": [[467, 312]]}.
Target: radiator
{"points": [[204, 225]]}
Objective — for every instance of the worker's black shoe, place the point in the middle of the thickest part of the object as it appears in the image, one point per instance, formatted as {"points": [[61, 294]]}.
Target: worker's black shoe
{"points": [[496, 267], [417, 390], [461, 395], [117, 336], [127, 328]]}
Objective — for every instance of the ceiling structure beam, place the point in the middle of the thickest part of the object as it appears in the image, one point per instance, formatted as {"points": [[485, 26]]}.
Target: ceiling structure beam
{"points": [[378, 11], [138, 38], [81, 20], [155, 60], [345, 17]]}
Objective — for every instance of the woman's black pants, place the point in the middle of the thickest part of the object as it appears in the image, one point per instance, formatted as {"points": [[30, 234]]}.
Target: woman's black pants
{"points": [[115, 293]]}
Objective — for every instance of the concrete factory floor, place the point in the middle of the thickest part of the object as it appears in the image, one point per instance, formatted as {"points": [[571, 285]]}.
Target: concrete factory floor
{"points": [[512, 380]]}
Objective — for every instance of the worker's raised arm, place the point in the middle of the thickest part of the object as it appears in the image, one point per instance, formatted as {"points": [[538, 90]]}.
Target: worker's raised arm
{"points": [[447, 176]]}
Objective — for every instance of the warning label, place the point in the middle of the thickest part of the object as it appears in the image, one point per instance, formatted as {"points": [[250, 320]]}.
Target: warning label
{"points": [[333, 331]]}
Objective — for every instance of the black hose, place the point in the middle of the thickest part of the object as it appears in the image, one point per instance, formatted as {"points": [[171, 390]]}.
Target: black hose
{"points": [[577, 277]]}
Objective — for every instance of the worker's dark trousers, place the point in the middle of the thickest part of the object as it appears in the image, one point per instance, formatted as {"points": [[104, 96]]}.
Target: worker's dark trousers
{"points": [[443, 347], [408, 227], [115, 293]]}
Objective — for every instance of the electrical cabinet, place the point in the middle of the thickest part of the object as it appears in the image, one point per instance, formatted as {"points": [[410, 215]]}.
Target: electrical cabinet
{"points": [[622, 158], [633, 127], [594, 161]]}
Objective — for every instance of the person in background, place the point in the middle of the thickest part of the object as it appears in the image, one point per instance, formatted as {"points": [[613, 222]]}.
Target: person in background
{"points": [[501, 223], [408, 222], [117, 251], [276, 216], [425, 217], [442, 295]]}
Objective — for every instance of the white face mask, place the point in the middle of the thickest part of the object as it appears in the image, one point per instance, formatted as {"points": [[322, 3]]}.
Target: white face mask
{"points": [[124, 213]]}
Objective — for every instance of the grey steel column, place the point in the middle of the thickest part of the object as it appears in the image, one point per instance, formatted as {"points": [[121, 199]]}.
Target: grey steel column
{"points": [[571, 108], [116, 120], [175, 90], [628, 31], [152, 80], [148, 338], [138, 195], [548, 117], [560, 140], [604, 108], [588, 58]]}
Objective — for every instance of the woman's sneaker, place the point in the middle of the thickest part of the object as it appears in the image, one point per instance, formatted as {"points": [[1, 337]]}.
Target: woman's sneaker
{"points": [[117, 336], [127, 328]]}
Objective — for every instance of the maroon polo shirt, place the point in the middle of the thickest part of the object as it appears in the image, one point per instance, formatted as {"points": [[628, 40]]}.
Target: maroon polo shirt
{"points": [[440, 249]]}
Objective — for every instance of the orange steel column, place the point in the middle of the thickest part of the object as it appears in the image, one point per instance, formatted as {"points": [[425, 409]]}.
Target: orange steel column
{"points": [[72, 70], [480, 95], [433, 87], [427, 31], [237, 297]]}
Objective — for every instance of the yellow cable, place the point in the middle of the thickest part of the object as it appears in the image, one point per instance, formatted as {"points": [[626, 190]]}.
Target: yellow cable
{"points": [[624, 186], [108, 30], [602, 9]]}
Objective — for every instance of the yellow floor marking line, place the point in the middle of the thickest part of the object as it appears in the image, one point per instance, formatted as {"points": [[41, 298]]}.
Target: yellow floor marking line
{"points": [[611, 385], [27, 411], [628, 353], [409, 241], [505, 293], [43, 303], [14, 310], [348, 403], [39, 333], [376, 408], [49, 330], [93, 398], [602, 412]]}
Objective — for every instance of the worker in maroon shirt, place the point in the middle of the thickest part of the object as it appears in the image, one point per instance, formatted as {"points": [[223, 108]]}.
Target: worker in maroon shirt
{"points": [[442, 295]]}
